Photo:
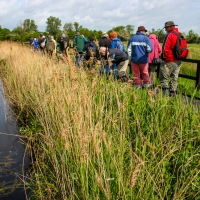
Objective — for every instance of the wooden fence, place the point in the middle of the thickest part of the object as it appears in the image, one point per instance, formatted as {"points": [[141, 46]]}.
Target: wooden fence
{"points": [[196, 78]]}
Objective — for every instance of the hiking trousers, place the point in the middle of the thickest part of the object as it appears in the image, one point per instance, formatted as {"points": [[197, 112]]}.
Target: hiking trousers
{"points": [[152, 69], [140, 72], [121, 68], [168, 74]]}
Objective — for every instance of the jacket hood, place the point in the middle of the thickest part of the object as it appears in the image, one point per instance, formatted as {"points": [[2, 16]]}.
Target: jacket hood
{"points": [[174, 29], [153, 36], [116, 39]]}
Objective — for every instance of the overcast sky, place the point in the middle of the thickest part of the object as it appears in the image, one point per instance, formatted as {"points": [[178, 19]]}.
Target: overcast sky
{"points": [[103, 14]]}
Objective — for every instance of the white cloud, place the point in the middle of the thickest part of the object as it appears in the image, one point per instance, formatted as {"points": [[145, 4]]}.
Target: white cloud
{"points": [[102, 14]]}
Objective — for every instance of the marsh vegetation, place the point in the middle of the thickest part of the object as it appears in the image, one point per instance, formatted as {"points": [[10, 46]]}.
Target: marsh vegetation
{"points": [[94, 138]]}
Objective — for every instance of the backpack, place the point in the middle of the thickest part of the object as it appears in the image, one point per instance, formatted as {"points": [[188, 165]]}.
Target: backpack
{"points": [[50, 46], [180, 50], [120, 45], [91, 51], [42, 44], [65, 43]]}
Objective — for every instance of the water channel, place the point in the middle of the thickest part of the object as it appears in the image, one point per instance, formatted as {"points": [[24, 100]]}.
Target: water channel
{"points": [[13, 160]]}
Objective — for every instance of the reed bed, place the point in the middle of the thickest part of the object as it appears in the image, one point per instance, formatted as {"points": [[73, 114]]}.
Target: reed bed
{"points": [[93, 138]]}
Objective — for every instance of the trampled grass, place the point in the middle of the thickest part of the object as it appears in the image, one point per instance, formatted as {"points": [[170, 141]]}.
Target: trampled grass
{"points": [[93, 138]]}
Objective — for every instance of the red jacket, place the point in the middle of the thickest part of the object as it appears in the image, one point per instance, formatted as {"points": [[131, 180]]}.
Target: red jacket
{"points": [[156, 47], [168, 46]]}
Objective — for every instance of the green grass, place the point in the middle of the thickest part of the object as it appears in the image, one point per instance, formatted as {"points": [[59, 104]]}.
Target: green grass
{"points": [[185, 85], [93, 138]]}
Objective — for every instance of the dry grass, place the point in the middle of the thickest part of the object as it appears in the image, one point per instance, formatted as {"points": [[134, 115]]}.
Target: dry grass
{"points": [[97, 139]]}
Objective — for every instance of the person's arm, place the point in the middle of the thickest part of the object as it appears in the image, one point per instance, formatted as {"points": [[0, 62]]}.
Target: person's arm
{"points": [[149, 45], [129, 49], [74, 42]]}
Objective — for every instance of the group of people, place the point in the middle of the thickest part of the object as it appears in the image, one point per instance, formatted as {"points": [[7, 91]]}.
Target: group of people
{"points": [[50, 45], [141, 51], [114, 58], [110, 51]]}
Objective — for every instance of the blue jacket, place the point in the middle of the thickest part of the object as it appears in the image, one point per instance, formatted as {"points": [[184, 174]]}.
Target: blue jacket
{"points": [[117, 44], [35, 44], [139, 46]]}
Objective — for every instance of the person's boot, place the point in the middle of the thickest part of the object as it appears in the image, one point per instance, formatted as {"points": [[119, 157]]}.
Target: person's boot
{"points": [[138, 87], [146, 85], [172, 93], [166, 91]]}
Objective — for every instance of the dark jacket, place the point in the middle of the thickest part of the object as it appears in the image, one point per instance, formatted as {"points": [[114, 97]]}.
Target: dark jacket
{"points": [[63, 43], [117, 55], [104, 42], [91, 46]]}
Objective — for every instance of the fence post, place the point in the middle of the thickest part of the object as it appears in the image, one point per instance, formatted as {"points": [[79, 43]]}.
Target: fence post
{"points": [[198, 76], [158, 70]]}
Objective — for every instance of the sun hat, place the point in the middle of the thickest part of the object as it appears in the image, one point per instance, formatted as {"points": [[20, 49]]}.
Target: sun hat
{"points": [[104, 34], [141, 28], [169, 23]]}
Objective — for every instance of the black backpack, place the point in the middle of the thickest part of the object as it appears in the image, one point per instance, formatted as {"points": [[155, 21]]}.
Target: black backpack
{"points": [[91, 51]]}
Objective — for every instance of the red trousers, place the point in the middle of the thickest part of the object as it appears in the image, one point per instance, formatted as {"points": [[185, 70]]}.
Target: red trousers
{"points": [[140, 72]]}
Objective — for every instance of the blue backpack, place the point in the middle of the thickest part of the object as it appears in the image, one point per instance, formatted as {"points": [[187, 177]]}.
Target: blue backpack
{"points": [[118, 44]]}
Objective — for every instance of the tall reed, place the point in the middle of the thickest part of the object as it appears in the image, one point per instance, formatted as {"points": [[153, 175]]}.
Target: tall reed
{"points": [[93, 138]]}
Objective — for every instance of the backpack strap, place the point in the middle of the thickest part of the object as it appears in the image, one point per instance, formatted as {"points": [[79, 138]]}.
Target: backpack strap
{"points": [[177, 34]]}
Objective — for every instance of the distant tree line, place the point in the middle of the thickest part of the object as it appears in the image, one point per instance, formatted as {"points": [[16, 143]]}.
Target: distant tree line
{"points": [[28, 29]]}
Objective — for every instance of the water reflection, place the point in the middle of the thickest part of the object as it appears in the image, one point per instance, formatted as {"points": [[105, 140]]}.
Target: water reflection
{"points": [[13, 161]]}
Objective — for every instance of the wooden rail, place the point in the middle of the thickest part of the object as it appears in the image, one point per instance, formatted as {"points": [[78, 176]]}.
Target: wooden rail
{"points": [[196, 78]]}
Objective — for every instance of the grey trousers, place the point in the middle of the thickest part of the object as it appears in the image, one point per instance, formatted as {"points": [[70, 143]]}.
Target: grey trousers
{"points": [[168, 75], [122, 67]]}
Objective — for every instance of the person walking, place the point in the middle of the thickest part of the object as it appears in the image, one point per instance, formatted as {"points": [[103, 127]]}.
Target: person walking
{"points": [[78, 42], [154, 54], [116, 43], [169, 69], [42, 43], [91, 49], [104, 42], [138, 48], [63, 43], [35, 44], [51, 47]]}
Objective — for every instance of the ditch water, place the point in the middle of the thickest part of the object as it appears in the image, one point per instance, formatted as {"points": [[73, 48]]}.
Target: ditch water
{"points": [[13, 161]]}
